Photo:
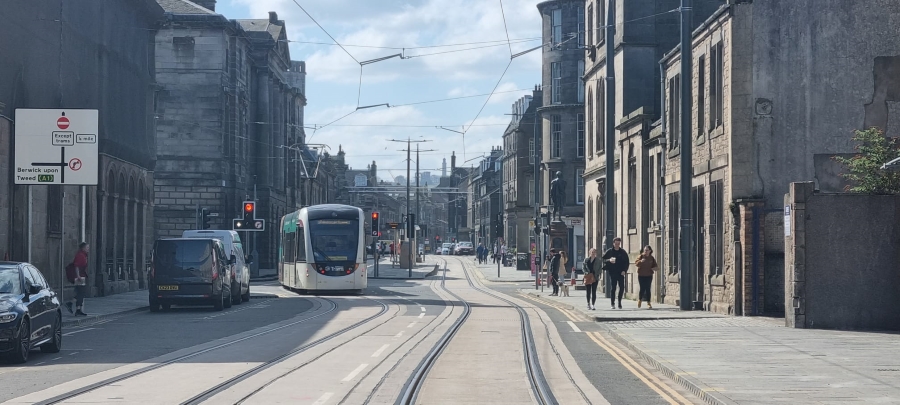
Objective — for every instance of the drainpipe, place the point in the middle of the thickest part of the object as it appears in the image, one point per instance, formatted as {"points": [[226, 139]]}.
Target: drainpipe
{"points": [[662, 176]]}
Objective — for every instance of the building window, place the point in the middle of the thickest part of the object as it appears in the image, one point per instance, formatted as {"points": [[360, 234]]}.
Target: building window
{"points": [[701, 95], [581, 27], [590, 123], [632, 189], [674, 111], [717, 230], [673, 230], [531, 151], [579, 186], [555, 82], [580, 81], [531, 192], [601, 115], [556, 29], [590, 24], [601, 21], [579, 146], [556, 136], [716, 86]]}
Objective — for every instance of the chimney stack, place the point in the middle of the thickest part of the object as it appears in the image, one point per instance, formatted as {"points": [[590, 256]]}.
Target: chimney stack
{"points": [[273, 17]]}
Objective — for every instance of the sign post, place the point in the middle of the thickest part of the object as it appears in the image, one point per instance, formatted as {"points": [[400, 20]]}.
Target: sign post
{"points": [[57, 147]]}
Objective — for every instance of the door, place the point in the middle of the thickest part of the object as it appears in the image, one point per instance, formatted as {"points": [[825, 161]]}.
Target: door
{"points": [[37, 305], [699, 242]]}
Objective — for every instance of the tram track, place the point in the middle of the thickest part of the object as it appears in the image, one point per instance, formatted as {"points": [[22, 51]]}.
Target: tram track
{"points": [[183, 358], [539, 385]]}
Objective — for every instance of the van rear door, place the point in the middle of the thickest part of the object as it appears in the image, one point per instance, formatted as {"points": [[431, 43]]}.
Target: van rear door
{"points": [[183, 262]]}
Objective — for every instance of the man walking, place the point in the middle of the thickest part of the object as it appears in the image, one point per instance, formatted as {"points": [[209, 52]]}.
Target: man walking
{"points": [[616, 264], [555, 258], [76, 272]]}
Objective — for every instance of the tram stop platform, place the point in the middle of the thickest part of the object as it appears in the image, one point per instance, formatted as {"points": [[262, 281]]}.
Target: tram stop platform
{"points": [[388, 270]]}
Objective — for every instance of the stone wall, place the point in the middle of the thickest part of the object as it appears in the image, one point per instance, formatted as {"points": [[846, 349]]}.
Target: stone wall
{"points": [[842, 258]]}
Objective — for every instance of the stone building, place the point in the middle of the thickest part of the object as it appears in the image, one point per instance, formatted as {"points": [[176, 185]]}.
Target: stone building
{"points": [[773, 105], [230, 123], [639, 140], [55, 57], [486, 185], [518, 171], [562, 113]]}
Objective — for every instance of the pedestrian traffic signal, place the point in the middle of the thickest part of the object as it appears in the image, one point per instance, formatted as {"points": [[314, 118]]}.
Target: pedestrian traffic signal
{"points": [[375, 226], [204, 219]]}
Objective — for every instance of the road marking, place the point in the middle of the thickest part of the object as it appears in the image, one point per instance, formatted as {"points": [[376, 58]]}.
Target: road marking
{"points": [[423, 309], [324, 398], [421, 315], [72, 354], [355, 372], [574, 328], [78, 331], [411, 325], [671, 396], [381, 350], [399, 334], [38, 364], [56, 359]]}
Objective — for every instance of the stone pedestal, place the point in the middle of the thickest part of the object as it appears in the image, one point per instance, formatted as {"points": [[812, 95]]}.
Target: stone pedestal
{"points": [[559, 236]]}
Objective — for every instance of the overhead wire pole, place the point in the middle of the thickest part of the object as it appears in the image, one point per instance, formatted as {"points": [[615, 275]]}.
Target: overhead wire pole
{"points": [[610, 132], [418, 217], [686, 237], [409, 228]]}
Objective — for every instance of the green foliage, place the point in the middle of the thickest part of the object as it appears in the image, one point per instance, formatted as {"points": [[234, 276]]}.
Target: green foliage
{"points": [[873, 149]]}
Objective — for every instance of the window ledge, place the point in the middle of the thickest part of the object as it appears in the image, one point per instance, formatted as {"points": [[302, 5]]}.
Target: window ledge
{"points": [[717, 132], [632, 231], [674, 152]]}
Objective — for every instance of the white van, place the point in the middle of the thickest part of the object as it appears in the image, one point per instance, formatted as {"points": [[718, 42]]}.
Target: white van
{"points": [[240, 285]]}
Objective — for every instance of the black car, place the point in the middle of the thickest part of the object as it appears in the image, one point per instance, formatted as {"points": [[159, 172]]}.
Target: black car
{"points": [[30, 315], [190, 272]]}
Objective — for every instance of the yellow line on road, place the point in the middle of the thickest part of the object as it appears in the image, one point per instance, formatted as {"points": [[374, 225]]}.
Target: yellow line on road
{"points": [[670, 395]]}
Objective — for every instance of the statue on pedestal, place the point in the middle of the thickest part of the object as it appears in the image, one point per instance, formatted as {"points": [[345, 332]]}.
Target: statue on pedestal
{"points": [[558, 195]]}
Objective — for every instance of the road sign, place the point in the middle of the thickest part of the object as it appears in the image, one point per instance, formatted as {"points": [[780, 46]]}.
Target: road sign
{"points": [[394, 225], [57, 147]]}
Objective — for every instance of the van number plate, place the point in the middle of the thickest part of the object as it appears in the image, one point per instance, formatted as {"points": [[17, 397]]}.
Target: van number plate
{"points": [[167, 288]]}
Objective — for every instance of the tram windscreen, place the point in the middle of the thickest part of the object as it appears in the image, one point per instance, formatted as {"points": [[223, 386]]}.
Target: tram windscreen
{"points": [[334, 240]]}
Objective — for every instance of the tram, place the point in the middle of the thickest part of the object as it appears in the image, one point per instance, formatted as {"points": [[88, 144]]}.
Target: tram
{"points": [[323, 248]]}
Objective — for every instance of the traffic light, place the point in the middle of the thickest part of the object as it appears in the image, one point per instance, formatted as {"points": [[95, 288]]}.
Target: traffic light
{"points": [[498, 223], [375, 226], [204, 219], [537, 228], [411, 223], [249, 210]]}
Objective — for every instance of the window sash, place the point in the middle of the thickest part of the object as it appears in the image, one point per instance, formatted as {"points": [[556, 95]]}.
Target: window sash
{"points": [[557, 27], [556, 82], [556, 137], [579, 186], [580, 136]]}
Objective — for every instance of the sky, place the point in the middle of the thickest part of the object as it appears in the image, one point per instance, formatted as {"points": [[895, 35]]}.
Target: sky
{"points": [[416, 27]]}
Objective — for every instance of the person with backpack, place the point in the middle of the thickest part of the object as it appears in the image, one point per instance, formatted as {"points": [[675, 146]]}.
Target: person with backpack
{"points": [[76, 273]]}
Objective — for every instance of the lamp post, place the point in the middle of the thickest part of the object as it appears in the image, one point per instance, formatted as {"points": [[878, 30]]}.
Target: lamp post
{"points": [[409, 224]]}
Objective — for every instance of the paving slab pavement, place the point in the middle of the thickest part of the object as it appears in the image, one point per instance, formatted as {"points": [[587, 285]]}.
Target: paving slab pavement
{"points": [[100, 308], [386, 270], [508, 274], [751, 360]]}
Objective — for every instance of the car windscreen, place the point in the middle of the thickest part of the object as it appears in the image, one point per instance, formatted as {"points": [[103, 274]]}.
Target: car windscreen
{"points": [[183, 258], [9, 281], [334, 240]]}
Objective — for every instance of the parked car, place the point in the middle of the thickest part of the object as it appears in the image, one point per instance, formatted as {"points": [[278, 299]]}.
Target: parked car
{"points": [[30, 315], [190, 272], [464, 248], [240, 283], [446, 249]]}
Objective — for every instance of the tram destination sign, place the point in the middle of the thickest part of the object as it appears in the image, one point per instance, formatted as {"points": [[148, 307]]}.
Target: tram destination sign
{"points": [[56, 147]]}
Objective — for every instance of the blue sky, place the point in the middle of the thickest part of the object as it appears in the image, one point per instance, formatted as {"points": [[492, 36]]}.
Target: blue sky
{"points": [[333, 77]]}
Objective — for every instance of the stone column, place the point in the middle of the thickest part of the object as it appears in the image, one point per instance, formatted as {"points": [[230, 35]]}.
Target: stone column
{"points": [[114, 201], [795, 254], [752, 237]]}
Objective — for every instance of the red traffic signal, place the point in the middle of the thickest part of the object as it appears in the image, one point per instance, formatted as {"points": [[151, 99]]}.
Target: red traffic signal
{"points": [[375, 215], [249, 207]]}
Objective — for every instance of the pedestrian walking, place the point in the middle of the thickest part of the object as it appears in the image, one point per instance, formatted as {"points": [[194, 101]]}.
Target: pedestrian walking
{"points": [[479, 253], [646, 265], [616, 264], [564, 273], [76, 273], [555, 258], [592, 265]]}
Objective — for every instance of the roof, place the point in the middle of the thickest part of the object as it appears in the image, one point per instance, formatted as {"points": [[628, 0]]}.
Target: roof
{"points": [[261, 26], [183, 7]]}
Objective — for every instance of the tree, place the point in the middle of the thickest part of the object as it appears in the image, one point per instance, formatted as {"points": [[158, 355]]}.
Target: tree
{"points": [[874, 149]]}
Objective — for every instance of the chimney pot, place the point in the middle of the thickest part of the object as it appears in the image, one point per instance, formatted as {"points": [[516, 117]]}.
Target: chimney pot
{"points": [[273, 17]]}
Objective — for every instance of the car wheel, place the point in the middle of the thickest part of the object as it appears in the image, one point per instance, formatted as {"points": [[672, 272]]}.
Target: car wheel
{"points": [[246, 296], [55, 345], [219, 302], [166, 307], [154, 305], [236, 294], [226, 298], [22, 344]]}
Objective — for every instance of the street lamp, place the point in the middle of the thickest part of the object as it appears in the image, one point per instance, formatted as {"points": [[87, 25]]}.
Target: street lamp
{"points": [[892, 166]]}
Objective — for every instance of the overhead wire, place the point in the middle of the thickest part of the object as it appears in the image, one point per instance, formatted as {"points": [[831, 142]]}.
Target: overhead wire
{"points": [[506, 28]]}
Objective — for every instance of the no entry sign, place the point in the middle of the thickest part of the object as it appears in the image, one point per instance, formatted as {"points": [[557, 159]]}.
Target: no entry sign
{"points": [[57, 147]]}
